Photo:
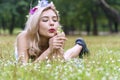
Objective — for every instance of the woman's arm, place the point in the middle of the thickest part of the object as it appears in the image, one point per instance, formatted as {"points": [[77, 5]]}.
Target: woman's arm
{"points": [[55, 44], [45, 55], [22, 46], [73, 52]]}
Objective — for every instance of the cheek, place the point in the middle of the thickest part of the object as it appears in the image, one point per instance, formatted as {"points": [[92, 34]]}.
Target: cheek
{"points": [[42, 28], [57, 25]]}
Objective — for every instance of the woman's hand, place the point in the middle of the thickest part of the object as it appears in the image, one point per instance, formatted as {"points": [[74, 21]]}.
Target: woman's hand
{"points": [[57, 41]]}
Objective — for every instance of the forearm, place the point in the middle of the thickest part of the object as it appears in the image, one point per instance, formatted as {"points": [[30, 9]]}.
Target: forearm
{"points": [[73, 52], [43, 56], [22, 57]]}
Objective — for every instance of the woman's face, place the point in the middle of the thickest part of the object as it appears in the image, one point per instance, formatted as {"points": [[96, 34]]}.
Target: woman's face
{"points": [[48, 24]]}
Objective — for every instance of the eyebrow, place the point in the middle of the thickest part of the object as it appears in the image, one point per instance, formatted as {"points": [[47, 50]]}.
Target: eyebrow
{"points": [[47, 16]]}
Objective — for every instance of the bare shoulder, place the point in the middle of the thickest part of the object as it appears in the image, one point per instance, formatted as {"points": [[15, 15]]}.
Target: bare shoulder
{"points": [[22, 38], [22, 35]]}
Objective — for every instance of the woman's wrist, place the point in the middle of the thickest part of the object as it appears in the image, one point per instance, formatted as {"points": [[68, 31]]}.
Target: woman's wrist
{"points": [[44, 55]]}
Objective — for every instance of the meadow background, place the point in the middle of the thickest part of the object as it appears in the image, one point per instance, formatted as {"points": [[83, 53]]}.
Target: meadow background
{"points": [[97, 20], [103, 63]]}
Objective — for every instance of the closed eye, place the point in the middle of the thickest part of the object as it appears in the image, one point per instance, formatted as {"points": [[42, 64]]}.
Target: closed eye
{"points": [[55, 19], [44, 19]]}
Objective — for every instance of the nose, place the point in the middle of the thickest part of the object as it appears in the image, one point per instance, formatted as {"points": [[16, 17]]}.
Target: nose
{"points": [[51, 23]]}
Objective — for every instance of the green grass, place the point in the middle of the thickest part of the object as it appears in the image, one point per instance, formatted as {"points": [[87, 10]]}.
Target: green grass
{"points": [[102, 64]]}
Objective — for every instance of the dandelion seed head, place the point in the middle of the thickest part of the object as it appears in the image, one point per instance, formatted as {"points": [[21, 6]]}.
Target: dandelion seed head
{"points": [[48, 61], [113, 61], [107, 74], [93, 62], [110, 58], [119, 69], [49, 65], [118, 60], [107, 62], [46, 57], [104, 78], [98, 63], [87, 74]]}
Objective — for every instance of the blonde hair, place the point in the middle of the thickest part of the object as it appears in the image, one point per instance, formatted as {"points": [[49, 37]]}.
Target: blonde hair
{"points": [[32, 30]]}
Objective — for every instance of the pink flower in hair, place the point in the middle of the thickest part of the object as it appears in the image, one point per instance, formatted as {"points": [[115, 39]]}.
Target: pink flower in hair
{"points": [[42, 4], [32, 11]]}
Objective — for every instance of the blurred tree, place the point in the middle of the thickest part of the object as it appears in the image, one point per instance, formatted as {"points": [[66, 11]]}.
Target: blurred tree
{"points": [[84, 12], [112, 15], [77, 15], [19, 12], [4, 12], [13, 14]]}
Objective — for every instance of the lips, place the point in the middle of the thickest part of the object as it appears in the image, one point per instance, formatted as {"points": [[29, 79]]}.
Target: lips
{"points": [[52, 30]]}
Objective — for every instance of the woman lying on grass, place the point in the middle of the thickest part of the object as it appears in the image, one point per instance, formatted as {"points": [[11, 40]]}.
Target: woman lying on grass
{"points": [[42, 38]]}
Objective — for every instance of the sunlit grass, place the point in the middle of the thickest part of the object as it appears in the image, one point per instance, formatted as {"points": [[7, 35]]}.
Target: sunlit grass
{"points": [[102, 64]]}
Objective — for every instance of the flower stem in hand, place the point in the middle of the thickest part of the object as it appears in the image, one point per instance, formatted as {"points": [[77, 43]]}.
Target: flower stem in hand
{"points": [[59, 30]]}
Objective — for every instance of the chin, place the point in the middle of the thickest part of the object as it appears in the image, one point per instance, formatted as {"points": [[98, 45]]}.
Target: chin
{"points": [[51, 35]]}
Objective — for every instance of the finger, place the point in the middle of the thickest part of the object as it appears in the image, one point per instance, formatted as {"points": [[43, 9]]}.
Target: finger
{"points": [[61, 34], [57, 47], [59, 42], [61, 38]]}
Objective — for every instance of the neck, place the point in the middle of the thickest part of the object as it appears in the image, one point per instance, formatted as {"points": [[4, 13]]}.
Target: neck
{"points": [[44, 43]]}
